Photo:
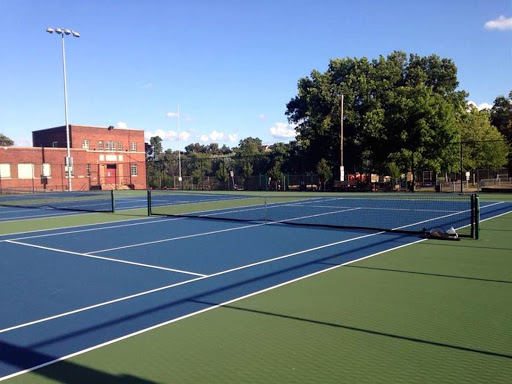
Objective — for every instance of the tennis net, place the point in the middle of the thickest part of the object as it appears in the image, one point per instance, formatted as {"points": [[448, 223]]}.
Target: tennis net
{"points": [[87, 201], [407, 213]]}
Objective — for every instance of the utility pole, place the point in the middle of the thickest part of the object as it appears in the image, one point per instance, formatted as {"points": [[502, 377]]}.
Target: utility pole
{"points": [[342, 167]]}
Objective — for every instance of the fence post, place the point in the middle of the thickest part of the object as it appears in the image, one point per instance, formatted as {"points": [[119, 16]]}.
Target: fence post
{"points": [[461, 170], [149, 202], [113, 200]]}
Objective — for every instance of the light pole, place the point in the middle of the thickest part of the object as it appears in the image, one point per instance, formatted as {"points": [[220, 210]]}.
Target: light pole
{"points": [[69, 159], [342, 166]]}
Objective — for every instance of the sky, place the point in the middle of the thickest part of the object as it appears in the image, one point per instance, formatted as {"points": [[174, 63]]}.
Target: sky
{"points": [[229, 67]]}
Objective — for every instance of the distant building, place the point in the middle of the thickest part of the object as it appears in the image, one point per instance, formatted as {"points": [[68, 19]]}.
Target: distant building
{"points": [[103, 158]]}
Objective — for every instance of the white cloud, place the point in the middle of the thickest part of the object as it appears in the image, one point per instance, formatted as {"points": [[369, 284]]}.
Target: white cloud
{"points": [[184, 135], [172, 114], [216, 136], [502, 23], [283, 130], [261, 116], [167, 135], [122, 125], [480, 106]]}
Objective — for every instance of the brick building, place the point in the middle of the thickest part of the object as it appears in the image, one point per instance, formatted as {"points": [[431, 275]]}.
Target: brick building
{"points": [[103, 158]]}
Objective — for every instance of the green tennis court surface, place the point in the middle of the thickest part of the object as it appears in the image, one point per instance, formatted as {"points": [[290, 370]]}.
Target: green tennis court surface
{"points": [[431, 312]]}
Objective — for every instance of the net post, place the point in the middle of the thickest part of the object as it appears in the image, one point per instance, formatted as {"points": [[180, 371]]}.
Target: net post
{"points": [[477, 217], [472, 216], [149, 202], [113, 201]]}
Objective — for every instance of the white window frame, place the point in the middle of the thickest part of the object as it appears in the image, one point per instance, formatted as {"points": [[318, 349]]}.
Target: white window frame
{"points": [[24, 169], [134, 170], [100, 145], [5, 170], [85, 144], [133, 146]]}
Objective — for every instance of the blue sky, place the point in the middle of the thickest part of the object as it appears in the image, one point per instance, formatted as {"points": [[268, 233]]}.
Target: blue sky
{"points": [[230, 65]]}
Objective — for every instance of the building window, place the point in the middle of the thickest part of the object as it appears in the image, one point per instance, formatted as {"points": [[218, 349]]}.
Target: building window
{"points": [[100, 145], [88, 170], [119, 145], [5, 171], [26, 171], [85, 144], [46, 170], [134, 169], [133, 146], [110, 145]]}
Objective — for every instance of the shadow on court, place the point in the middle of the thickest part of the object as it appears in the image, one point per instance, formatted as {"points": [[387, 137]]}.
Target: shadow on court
{"points": [[472, 246], [65, 371], [430, 274], [201, 294], [367, 331]]}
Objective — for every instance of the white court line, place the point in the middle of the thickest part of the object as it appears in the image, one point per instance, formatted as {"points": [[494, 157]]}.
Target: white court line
{"points": [[435, 218], [175, 238], [213, 232], [189, 281], [190, 314], [198, 312], [98, 229], [97, 305], [104, 258], [501, 214], [3, 209], [381, 209], [151, 220], [72, 226], [55, 214], [492, 205]]}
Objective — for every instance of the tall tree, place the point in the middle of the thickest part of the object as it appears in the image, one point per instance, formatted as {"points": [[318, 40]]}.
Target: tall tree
{"points": [[396, 109], [154, 164], [5, 141], [501, 115], [324, 171], [250, 158], [483, 145], [156, 145]]}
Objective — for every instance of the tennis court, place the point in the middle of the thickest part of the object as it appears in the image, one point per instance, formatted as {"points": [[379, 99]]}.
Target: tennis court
{"points": [[75, 289]]}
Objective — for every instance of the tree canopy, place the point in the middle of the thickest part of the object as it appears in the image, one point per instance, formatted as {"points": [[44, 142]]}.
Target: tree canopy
{"points": [[396, 109], [501, 116], [401, 113], [483, 146], [5, 141]]}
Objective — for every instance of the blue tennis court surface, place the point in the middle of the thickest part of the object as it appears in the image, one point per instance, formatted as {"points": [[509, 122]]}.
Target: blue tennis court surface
{"points": [[69, 290]]}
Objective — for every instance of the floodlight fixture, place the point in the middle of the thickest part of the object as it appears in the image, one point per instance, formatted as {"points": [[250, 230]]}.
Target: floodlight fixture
{"points": [[67, 31], [49, 30], [59, 30]]}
